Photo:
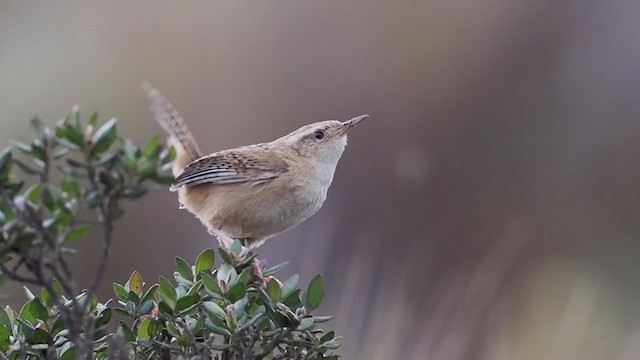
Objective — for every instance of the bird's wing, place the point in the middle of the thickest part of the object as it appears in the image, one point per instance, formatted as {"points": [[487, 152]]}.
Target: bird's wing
{"points": [[231, 166]]}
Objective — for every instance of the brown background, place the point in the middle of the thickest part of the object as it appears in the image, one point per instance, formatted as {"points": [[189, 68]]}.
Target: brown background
{"points": [[489, 207]]}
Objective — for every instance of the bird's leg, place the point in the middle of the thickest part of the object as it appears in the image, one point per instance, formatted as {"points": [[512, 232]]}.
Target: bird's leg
{"points": [[223, 238]]}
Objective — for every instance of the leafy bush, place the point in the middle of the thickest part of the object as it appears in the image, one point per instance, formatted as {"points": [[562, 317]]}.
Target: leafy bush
{"points": [[79, 176]]}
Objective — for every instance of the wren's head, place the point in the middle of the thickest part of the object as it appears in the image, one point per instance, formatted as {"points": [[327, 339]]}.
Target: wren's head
{"points": [[322, 141]]}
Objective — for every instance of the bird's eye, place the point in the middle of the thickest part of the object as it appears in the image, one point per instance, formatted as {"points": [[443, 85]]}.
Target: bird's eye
{"points": [[319, 135]]}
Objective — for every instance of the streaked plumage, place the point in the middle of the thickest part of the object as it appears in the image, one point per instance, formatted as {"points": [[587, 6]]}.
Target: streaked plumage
{"points": [[253, 192]]}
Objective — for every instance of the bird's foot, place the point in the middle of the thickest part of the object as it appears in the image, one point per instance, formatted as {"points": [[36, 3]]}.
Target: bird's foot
{"points": [[223, 238]]}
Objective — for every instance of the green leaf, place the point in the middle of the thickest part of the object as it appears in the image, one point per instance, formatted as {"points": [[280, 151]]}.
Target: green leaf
{"points": [[4, 320], [236, 247], [214, 310], [37, 310], [25, 148], [274, 269], [195, 288], [240, 306], [321, 319], [135, 283], [131, 308], [250, 322], [39, 154], [25, 325], [163, 180], [37, 129], [26, 168], [78, 233], [205, 261], [328, 336], [273, 289], [71, 186], [165, 309], [103, 318], [244, 276], [145, 307], [5, 163], [10, 314], [331, 345], [133, 297], [197, 328], [236, 292], [41, 336], [28, 293], [168, 156], [185, 341], [227, 273], [68, 352], [143, 330], [126, 333], [93, 120], [104, 137], [49, 298], [172, 330], [224, 255], [120, 291], [315, 293], [33, 193], [4, 339], [187, 301], [153, 148], [70, 137], [290, 285], [216, 329], [305, 324], [210, 283], [130, 150], [183, 269], [167, 291], [149, 294]]}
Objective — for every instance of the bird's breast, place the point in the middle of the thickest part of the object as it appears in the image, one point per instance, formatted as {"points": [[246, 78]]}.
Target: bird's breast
{"points": [[254, 211]]}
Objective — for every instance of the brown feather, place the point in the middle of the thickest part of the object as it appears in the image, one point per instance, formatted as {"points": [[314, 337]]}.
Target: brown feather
{"points": [[251, 163]]}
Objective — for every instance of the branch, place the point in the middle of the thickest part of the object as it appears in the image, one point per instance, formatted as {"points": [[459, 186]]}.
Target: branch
{"points": [[107, 214], [273, 344]]}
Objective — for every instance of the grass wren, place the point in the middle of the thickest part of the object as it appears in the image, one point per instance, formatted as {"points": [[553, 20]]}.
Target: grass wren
{"points": [[254, 192]]}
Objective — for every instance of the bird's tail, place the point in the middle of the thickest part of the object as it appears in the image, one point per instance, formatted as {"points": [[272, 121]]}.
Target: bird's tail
{"points": [[170, 120]]}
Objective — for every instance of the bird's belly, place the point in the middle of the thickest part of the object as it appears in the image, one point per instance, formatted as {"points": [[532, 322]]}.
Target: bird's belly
{"points": [[252, 212]]}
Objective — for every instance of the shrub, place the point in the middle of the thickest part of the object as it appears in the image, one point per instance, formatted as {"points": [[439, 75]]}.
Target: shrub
{"points": [[78, 176]]}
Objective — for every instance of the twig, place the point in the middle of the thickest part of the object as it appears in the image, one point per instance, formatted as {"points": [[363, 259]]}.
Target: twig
{"points": [[248, 355], [273, 343]]}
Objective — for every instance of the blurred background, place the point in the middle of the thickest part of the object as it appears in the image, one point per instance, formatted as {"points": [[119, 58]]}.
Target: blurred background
{"points": [[488, 209]]}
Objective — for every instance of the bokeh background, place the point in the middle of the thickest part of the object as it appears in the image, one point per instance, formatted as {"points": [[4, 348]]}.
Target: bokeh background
{"points": [[488, 209]]}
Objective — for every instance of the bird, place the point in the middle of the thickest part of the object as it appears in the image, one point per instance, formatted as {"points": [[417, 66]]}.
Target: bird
{"points": [[252, 193]]}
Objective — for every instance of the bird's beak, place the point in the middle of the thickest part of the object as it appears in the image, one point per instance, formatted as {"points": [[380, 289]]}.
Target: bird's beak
{"points": [[350, 124]]}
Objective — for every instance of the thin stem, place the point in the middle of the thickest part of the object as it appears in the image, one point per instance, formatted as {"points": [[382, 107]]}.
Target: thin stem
{"points": [[107, 213], [248, 354], [14, 276], [273, 343]]}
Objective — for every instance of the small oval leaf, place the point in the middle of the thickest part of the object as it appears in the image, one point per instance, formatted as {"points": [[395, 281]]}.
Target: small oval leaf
{"points": [[315, 293], [78, 232], [204, 261], [183, 269], [135, 283], [104, 137]]}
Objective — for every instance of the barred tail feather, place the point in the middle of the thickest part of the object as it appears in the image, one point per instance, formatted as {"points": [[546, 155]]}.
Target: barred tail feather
{"points": [[171, 122]]}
